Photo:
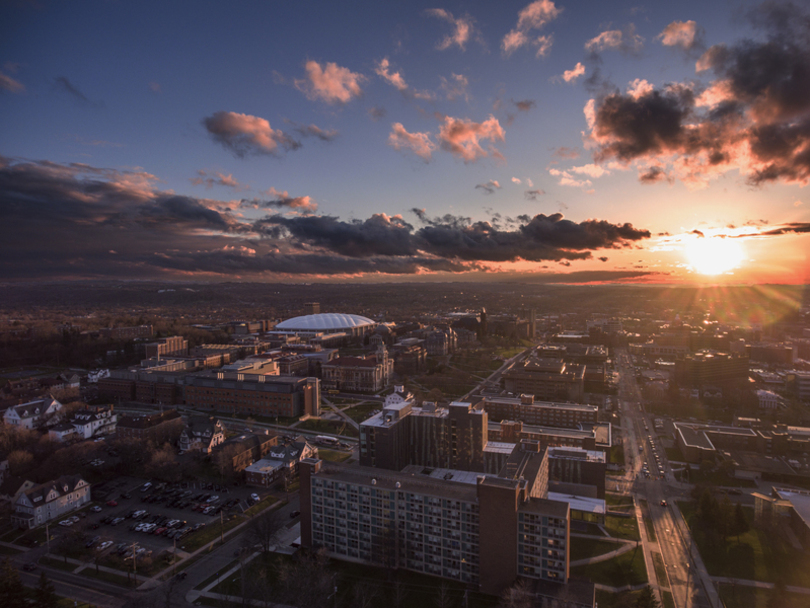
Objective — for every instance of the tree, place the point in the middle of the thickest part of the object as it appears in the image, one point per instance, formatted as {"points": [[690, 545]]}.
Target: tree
{"points": [[444, 598], [11, 588], [263, 529], [740, 523], [646, 599], [517, 596], [305, 582], [45, 594]]}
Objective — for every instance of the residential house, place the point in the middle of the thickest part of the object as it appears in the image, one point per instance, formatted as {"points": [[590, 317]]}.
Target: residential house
{"points": [[282, 462], [34, 413], [202, 433], [50, 500]]}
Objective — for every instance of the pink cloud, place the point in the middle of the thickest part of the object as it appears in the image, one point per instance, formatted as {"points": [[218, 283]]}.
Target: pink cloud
{"points": [[395, 79], [685, 34], [330, 83], [462, 137], [616, 40], [209, 180], [418, 143], [463, 29], [573, 74], [533, 16], [455, 87], [245, 134], [7, 83]]}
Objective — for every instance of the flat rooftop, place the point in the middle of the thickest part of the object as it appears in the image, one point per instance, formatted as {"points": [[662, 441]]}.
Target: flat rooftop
{"points": [[580, 503]]}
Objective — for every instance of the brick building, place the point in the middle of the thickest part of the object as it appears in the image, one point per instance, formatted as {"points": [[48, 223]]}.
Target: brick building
{"points": [[158, 427], [542, 413]]}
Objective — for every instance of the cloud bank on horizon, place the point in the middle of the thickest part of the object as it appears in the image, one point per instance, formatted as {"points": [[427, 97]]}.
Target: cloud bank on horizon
{"points": [[594, 136]]}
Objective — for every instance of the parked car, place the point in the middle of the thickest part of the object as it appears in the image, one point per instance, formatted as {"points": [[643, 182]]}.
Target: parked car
{"points": [[29, 567], [112, 503], [254, 497], [104, 545], [96, 509], [92, 541]]}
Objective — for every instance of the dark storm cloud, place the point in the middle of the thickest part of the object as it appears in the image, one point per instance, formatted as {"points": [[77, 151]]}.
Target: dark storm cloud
{"points": [[755, 115], [75, 220], [541, 238]]}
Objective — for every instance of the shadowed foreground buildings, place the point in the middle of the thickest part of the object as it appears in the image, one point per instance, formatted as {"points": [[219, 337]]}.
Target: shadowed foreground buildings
{"points": [[484, 531]]}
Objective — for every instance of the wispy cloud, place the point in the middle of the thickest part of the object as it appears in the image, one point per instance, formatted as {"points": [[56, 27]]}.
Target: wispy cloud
{"points": [[464, 29], [216, 178], [489, 187], [7, 83], [418, 143], [65, 86], [625, 40], [463, 137], [685, 34], [572, 74], [534, 16]]}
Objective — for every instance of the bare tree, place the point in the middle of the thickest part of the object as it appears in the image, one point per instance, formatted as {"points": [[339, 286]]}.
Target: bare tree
{"points": [[444, 599], [517, 596], [305, 582], [263, 529], [364, 595]]}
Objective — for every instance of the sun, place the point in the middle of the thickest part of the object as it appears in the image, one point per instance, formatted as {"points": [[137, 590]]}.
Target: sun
{"points": [[714, 255]]}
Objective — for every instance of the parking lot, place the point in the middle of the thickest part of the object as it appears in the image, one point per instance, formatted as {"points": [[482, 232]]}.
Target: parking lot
{"points": [[135, 510]]}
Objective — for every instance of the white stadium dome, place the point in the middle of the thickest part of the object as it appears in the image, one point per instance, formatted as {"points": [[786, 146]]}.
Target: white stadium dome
{"points": [[325, 322]]}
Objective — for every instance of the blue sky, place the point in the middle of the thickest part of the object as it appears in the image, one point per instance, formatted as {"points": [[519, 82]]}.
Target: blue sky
{"points": [[319, 109]]}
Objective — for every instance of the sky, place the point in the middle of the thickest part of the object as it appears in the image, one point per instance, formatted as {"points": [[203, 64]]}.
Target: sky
{"points": [[571, 141]]}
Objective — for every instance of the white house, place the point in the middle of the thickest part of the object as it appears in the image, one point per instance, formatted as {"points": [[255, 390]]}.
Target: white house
{"points": [[50, 500], [94, 421], [34, 413], [768, 400]]}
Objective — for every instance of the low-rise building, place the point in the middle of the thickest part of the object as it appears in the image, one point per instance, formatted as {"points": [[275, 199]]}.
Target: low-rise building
{"points": [[41, 412], [369, 374], [541, 413], [202, 433], [158, 427], [282, 462], [50, 500]]}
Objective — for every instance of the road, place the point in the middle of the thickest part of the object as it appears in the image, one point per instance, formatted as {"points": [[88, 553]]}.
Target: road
{"points": [[689, 583]]}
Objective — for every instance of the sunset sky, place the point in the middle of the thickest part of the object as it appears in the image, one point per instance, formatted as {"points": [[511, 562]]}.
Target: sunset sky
{"points": [[574, 141]]}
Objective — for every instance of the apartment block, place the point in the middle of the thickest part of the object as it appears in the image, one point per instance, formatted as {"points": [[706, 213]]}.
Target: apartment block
{"points": [[484, 533], [402, 434], [548, 379], [540, 413]]}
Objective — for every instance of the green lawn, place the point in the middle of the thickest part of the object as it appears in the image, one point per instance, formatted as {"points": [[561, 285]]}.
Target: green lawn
{"points": [[622, 527], [674, 453], [618, 500], [759, 555], [606, 599], [660, 569], [333, 455], [362, 411], [667, 600], [617, 454], [211, 532], [740, 596], [625, 569], [581, 548], [327, 426], [109, 577]]}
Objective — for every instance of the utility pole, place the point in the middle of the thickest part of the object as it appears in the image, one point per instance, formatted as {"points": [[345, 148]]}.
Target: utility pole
{"points": [[48, 537], [221, 529]]}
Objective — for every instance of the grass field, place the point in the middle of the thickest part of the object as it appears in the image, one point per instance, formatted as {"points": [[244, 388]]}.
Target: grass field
{"points": [[362, 411], [660, 569], [740, 596], [667, 601], [625, 569], [582, 548], [618, 500], [333, 455], [326, 426], [759, 555], [622, 527]]}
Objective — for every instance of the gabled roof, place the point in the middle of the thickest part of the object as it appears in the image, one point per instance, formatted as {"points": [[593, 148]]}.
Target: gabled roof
{"points": [[65, 484]]}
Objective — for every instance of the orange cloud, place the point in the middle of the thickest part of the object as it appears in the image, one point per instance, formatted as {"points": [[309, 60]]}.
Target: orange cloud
{"points": [[462, 137]]}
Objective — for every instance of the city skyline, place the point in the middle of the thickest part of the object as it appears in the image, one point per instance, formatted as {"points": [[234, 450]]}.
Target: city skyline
{"points": [[559, 141]]}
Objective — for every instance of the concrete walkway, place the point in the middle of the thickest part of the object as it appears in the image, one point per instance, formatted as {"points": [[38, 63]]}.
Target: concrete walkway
{"points": [[628, 545]]}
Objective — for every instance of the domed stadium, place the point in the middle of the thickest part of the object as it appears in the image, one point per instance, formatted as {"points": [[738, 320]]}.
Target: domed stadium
{"points": [[329, 323]]}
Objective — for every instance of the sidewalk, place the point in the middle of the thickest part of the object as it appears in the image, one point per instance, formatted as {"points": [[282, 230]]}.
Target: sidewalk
{"points": [[759, 584]]}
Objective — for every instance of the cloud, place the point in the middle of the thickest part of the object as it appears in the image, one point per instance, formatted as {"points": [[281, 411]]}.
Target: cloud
{"points": [[564, 152], [7, 83], [626, 41], [303, 204], [330, 83], [64, 85], [516, 180], [456, 87], [155, 87], [376, 113], [653, 175], [532, 195], [533, 16], [462, 137], [244, 134], [209, 180], [753, 117], [685, 34], [312, 130], [573, 74], [566, 179], [464, 29], [418, 143], [89, 212], [590, 170], [396, 80], [525, 105], [489, 187]]}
